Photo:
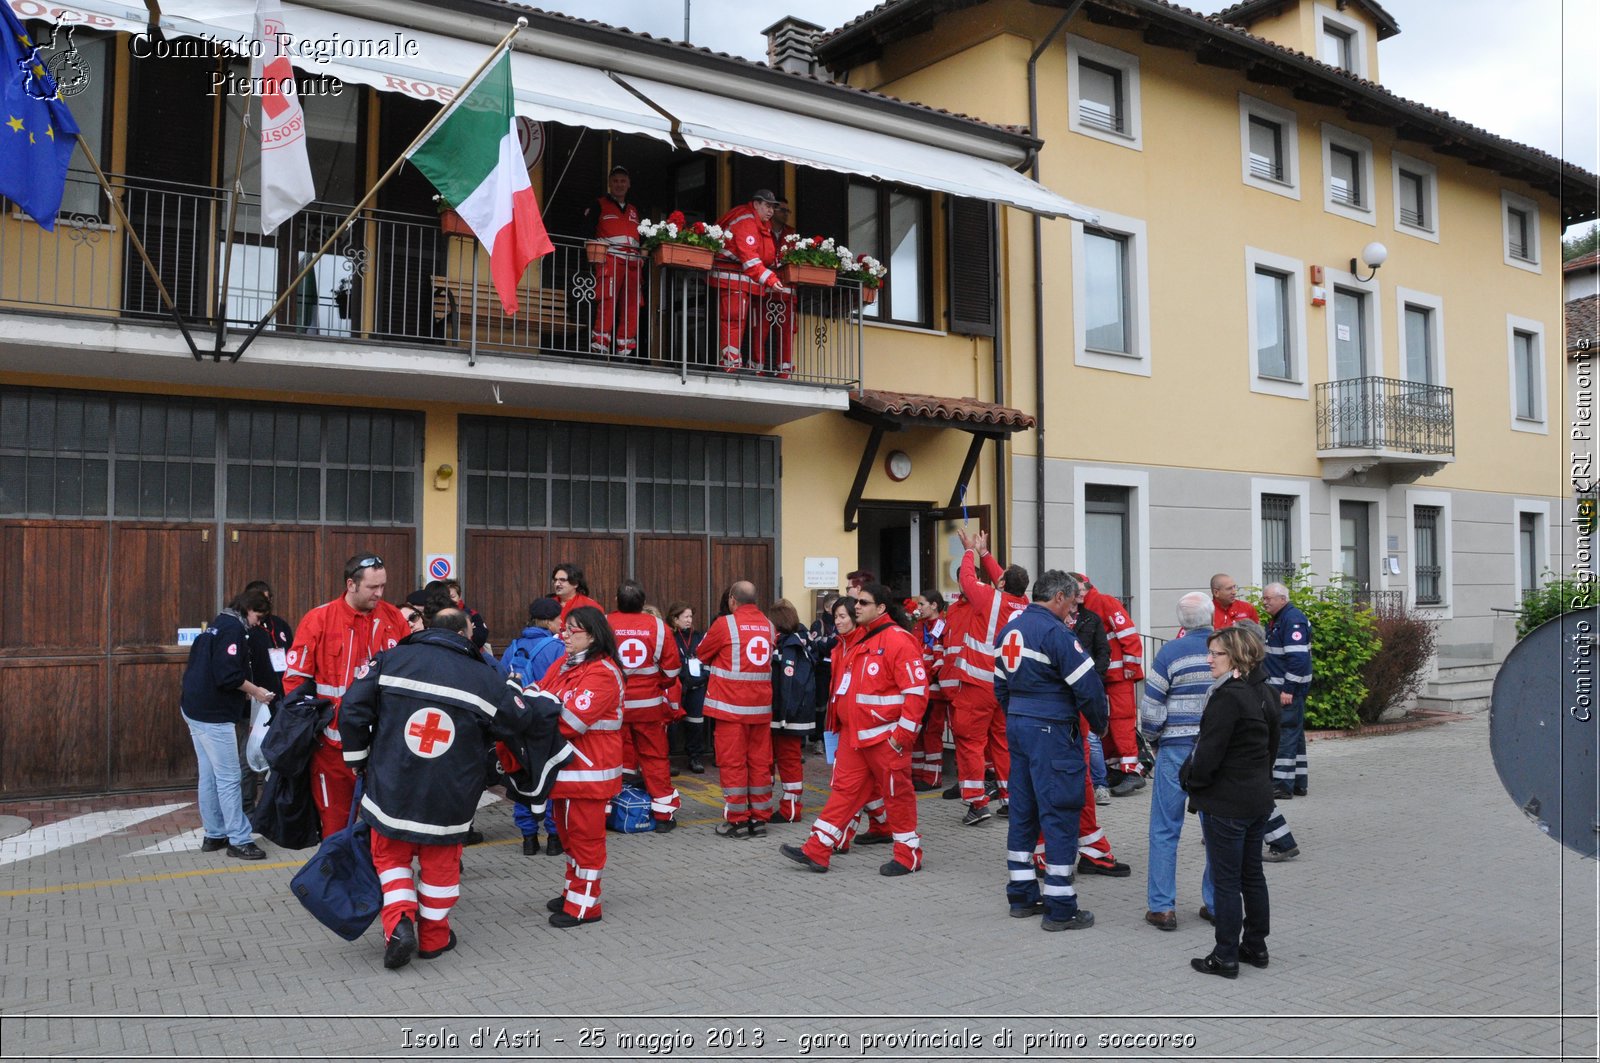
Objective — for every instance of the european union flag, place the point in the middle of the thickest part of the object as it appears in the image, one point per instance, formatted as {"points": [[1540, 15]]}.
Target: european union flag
{"points": [[37, 133]]}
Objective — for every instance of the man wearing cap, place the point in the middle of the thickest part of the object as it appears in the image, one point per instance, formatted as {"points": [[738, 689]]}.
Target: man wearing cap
{"points": [[330, 644], [618, 288], [528, 658], [741, 272]]}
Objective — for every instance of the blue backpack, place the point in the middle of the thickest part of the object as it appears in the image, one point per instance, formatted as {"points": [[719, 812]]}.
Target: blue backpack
{"points": [[630, 812]]}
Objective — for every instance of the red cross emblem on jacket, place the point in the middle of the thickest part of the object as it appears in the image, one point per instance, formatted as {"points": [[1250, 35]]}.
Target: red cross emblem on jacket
{"points": [[429, 733], [1010, 651]]}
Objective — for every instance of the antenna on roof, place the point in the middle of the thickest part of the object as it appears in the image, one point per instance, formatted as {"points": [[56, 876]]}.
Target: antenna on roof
{"points": [[685, 21]]}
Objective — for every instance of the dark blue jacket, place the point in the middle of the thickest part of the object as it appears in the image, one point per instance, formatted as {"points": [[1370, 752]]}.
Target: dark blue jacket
{"points": [[219, 663], [1288, 663], [1042, 671]]}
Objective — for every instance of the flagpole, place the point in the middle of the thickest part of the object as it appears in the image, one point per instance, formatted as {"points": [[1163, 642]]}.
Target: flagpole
{"points": [[220, 303], [372, 193], [138, 245]]}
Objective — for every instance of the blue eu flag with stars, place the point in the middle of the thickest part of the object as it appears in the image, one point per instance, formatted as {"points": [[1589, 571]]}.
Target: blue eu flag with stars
{"points": [[37, 133]]}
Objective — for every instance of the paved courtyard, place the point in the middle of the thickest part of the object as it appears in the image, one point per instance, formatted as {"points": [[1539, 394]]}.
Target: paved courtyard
{"points": [[1426, 919]]}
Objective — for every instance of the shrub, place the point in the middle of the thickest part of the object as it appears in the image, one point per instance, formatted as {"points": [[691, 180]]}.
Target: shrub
{"points": [[1400, 667], [1554, 598], [1343, 640]]}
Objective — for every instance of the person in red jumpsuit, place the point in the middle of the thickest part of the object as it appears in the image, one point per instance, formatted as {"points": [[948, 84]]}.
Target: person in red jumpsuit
{"points": [[649, 658], [880, 698], [331, 643], [781, 309], [975, 715], [618, 279], [742, 275], [1123, 770], [1226, 605], [737, 650], [589, 682], [570, 588], [877, 820]]}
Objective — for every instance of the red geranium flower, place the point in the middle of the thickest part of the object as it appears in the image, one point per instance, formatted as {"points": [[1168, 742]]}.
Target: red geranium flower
{"points": [[700, 227], [675, 218]]}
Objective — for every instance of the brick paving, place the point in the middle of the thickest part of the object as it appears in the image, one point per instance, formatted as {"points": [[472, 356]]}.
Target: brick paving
{"points": [[1427, 918]]}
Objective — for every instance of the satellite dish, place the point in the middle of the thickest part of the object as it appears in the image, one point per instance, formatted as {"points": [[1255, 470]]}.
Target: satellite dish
{"points": [[1542, 728]]}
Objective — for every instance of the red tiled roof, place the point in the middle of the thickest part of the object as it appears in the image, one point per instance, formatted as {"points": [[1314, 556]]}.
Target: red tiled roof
{"points": [[1589, 261], [964, 411], [1582, 318]]}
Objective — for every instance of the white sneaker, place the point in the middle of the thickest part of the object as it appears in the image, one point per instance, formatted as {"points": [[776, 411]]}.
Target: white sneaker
{"points": [[1102, 795]]}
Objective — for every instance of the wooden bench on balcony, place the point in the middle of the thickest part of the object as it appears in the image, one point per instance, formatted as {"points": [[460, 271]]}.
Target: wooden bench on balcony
{"points": [[541, 320]]}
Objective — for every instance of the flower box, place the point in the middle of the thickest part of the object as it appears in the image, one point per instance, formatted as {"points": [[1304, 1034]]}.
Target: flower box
{"points": [[868, 295], [595, 251], [452, 224], [792, 273], [681, 256]]}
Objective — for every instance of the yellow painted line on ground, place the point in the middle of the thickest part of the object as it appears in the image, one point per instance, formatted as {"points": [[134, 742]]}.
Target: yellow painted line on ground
{"points": [[134, 880]]}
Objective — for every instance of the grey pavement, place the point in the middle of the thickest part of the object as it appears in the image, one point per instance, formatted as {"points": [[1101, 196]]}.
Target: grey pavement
{"points": [[1426, 918]]}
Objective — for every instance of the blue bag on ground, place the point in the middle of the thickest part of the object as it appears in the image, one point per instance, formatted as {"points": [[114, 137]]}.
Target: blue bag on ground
{"points": [[630, 812], [338, 884]]}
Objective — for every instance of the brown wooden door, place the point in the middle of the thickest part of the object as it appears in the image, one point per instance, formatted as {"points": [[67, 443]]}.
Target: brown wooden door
{"points": [[163, 577], [149, 744], [52, 725], [55, 576], [602, 558], [286, 556], [504, 571], [672, 570], [737, 559]]}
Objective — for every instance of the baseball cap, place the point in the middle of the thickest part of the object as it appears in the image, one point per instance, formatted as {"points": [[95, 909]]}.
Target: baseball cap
{"points": [[619, 168], [418, 599], [763, 195], [544, 609]]}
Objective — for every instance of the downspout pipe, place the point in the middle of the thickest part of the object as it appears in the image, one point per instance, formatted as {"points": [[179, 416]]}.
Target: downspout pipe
{"points": [[1001, 446], [1038, 281]]}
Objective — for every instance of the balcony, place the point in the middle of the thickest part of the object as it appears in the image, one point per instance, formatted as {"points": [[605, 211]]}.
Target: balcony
{"points": [[398, 295], [1365, 422]]}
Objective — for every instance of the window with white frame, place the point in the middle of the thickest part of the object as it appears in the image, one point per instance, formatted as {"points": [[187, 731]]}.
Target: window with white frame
{"points": [[1421, 337], [1103, 92], [1347, 174], [1532, 551], [1341, 40], [1338, 47], [1416, 197], [1269, 143], [1429, 564], [1277, 328], [1521, 218], [1280, 528], [1111, 286], [1525, 356], [1277, 538]]}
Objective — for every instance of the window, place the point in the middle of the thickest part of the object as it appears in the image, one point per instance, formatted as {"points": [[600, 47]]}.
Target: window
{"points": [[1111, 533], [892, 225], [1341, 40], [1416, 197], [1110, 283], [1338, 47], [1521, 231], [1269, 141], [81, 61], [1421, 337], [1277, 326], [1277, 538], [1525, 362], [1532, 551], [1347, 170], [1103, 92], [1429, 571]]}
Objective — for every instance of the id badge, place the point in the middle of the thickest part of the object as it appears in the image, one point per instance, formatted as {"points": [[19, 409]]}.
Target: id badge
{"points": [[279, 659]]}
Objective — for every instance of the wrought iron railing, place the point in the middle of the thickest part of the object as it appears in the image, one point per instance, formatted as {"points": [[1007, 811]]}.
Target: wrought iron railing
{"points": [[1379, 413], [399, 278]]}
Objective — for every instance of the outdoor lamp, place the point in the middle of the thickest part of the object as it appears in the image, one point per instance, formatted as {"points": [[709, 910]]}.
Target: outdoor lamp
{"points": [[1374, 255], [441, 477]]}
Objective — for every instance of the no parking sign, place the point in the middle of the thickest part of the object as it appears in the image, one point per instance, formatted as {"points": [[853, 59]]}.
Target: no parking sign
{"points": [[441, 566]]}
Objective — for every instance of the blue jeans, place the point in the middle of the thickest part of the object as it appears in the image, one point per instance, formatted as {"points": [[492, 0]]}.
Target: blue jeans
{"points": [[1097, 760], [1233, 848], [216, 747], [1046, 794], [1166, 825]]}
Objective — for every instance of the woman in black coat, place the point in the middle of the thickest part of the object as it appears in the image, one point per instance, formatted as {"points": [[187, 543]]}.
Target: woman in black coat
{"points": [[680, 618], [1229, 781]]}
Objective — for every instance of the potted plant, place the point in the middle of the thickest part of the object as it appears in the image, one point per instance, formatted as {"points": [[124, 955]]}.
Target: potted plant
{"points": [[865, 271], [808, 260], [451, 223], [676, 243]]}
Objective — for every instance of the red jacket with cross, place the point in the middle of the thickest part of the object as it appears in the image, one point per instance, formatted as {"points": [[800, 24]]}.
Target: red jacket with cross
{"points": [[1127, 648], [650, 665], [590, 691], [884, 690], [332, 641], [989, 610], [744, 263], [737, 650]]}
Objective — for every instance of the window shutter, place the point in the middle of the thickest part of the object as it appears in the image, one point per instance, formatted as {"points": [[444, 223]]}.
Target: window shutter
{"points": [[970, 240]]}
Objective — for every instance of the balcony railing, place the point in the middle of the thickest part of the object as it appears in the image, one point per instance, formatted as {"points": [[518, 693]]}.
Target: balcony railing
{"points": [[398, 278], [1378, 413]]}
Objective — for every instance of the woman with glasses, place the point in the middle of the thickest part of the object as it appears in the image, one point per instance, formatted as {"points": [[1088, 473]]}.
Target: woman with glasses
{"points": [[1229, 781], [589, 682]]}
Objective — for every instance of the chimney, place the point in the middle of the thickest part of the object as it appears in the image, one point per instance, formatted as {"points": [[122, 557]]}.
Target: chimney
{"points": [[790, 42]]}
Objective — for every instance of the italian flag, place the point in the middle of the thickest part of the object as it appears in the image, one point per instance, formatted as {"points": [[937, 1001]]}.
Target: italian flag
{"points": [[474, 159]]}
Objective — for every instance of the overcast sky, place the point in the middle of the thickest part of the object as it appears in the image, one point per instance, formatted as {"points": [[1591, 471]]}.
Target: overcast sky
{"points": [[1514, 67]]}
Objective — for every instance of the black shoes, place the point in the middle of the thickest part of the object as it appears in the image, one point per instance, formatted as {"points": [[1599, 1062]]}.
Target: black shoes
{"points": [[1003, 809], [247, 851], [923, 787], [1081, 920], [530, 845], [1282, 793], [697, 765], [1205, 913], [952, 792], [798, 855], [211, 845], [1252, 957], [1130, 784], [402, 944], [429, 954], [870, 838], [755, 829], [666, 826], [566, 922], [1116, 870], [730, 829], [894, 869], [1278, 856], [975, 815], [1026, 911], [1212, 965], [474, 837], [554, 847]]}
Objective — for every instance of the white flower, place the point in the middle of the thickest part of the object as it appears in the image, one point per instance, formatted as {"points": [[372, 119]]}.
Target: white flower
{"points": [[672, 231]]}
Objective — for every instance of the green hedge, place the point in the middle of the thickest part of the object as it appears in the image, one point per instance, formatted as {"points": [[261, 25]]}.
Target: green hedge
{"points": [[1554, 598], [1344, 639]]}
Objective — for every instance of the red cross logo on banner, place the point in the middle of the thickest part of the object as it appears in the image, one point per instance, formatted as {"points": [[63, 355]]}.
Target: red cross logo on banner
{"points": [[1011, 650], [632, 653], [758, 651], [429, 733], [273, 74]]}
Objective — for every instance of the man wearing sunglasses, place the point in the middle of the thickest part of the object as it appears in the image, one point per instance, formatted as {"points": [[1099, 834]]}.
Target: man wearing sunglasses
{"points": [[332, 643]]}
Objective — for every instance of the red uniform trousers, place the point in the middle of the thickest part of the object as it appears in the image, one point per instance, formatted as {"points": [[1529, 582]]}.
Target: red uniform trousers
{"points": [[581, 824], [1120, 746], [333, 786], [1093, 845], [927, 752], [791, 773], [644, 750], [856, 771], [980, 730], [616, 310], [733, 310], [428, 899], [744, 761]]}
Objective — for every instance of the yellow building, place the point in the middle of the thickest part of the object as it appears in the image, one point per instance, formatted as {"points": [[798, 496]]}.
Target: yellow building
{"points": [[1312, 321]]}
